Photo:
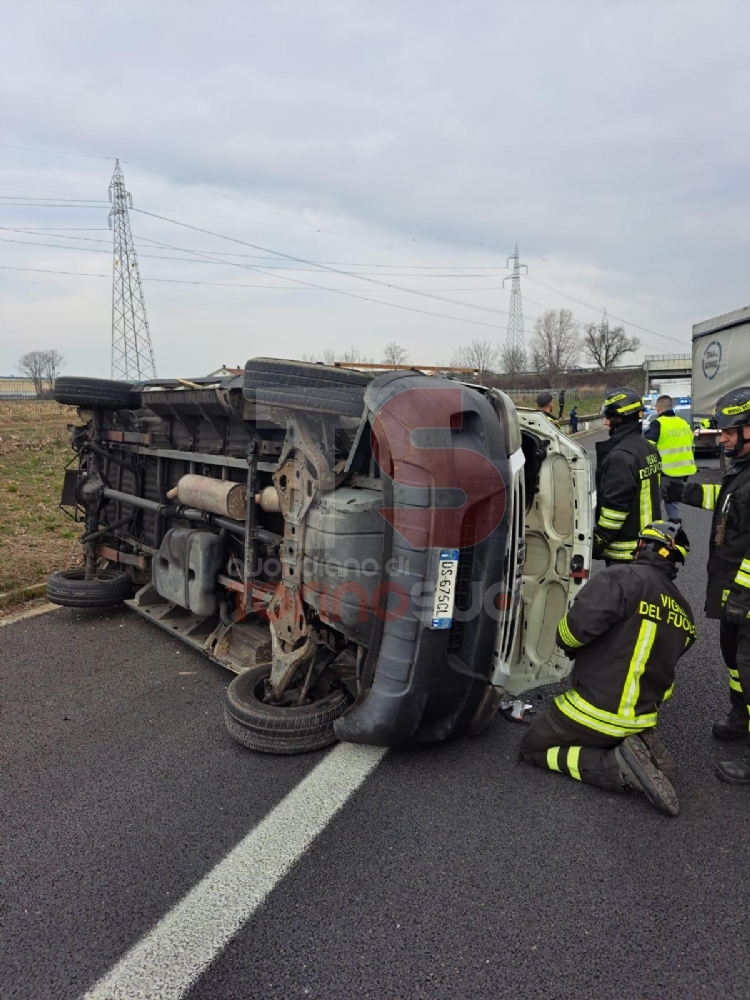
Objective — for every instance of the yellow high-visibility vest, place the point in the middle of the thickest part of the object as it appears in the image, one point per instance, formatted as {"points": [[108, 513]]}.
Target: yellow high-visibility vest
{"points": [[675, 447]]}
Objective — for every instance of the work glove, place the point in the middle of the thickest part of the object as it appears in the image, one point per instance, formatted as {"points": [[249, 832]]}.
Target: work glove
{"points": [[671, 490], [692, 493], [734, 612]]}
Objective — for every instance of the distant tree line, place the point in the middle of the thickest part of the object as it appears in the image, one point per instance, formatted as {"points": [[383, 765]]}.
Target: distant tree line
{"points": [[556, 345]]}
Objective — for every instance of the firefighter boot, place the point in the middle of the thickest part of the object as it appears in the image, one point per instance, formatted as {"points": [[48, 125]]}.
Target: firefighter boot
{"points": [[661, 758], [735, 726], [736, 772], [638, 772]]}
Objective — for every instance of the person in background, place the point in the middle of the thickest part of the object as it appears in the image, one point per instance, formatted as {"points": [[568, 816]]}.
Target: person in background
{"points": [[544, 405], [574, 420], [673, 438], [728, 584], [626, 630], [561, 404], [627, 479]]}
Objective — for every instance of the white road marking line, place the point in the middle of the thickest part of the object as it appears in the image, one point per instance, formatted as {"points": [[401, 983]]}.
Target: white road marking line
{"points": [[165, 963]]}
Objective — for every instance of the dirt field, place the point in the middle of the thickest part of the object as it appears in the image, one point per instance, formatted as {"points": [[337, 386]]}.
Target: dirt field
{"points": [[36, 537]]}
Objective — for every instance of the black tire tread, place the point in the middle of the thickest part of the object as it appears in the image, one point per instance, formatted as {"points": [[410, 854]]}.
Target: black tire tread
{"points": [[68, 589], [277, 745], [297, 370], [307, 386], [99, 393], [346, 402], [270, 729]]}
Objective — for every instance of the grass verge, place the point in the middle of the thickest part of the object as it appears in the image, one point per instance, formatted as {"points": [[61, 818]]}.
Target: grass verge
{"points": [[36, 537]]}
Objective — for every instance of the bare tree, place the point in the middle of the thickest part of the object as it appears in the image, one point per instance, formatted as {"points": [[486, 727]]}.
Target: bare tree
{"points": [[480, 355], [54, 363], [354, 355], [555, 343], [33, 365], [326, 357], [395, 354], [512, 359], [605, 344]]}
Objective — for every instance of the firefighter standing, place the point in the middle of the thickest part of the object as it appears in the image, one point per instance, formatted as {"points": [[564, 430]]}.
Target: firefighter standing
{"points": [[627, 628], [673, 438], [627, 479], [728, 587]]}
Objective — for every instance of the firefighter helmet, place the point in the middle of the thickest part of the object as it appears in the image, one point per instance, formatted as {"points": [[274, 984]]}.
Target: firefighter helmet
{"points": [[667, 539], [733, 413], [622, 402], [733, 408]]}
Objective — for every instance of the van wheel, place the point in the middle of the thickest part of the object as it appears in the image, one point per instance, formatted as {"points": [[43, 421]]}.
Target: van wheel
{"points": [[100, 393], [301, 385], [282, 729], [71, 589]]}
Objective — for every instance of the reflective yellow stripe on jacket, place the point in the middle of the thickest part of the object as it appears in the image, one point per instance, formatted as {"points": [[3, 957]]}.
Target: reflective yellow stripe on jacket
{"points": [[610, 723], [624, 722], [675, 447], [621, 551], [566, 635], [742, 579], [611, 518], [710, 495], [638, 661]]}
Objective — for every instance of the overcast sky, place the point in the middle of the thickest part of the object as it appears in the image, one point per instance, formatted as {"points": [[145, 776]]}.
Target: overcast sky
{"points": [[414, 143]]}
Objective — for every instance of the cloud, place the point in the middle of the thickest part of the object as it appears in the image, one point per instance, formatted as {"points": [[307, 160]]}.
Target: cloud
{"points": [[609, 141]]}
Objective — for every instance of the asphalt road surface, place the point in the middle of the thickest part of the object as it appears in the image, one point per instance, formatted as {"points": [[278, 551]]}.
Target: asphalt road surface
{"points": [[450, 872]]}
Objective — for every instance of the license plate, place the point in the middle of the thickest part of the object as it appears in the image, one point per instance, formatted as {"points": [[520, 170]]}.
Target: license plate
{"points": [[445, 587]]}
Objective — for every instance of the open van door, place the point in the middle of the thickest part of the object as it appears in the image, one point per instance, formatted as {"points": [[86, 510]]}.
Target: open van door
{"points": [[553, 492]]}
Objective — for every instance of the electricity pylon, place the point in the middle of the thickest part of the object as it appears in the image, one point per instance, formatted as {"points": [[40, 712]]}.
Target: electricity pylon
{"points": [[132, 353], [515, 344]]}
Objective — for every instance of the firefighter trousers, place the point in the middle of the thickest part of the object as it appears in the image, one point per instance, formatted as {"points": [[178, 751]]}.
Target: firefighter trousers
{"points": [[558, 743], [735, 648]]}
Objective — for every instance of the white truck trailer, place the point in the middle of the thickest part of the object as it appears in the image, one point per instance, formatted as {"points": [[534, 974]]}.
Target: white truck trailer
{"points": [[677, 388], [721, 361]]}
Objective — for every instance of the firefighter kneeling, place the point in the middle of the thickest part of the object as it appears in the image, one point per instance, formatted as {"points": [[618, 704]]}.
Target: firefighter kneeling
{"points": [[627, 629]]}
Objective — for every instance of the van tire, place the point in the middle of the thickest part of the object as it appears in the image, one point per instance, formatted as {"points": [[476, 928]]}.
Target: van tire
{"points": [[274, 729], [300, 385], [71, 589], [96, 393]]}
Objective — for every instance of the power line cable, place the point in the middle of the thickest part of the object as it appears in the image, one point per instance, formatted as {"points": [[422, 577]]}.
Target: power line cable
{"points": [[55, 152], [35, 199], [599, 309], [271, 211], [413, 271], [546, 306], [324, 267], [159, 173], [10, 204], [317, 228], [56, 230], [255, 205], [447, 270], [307, 284], [186, 260]]}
